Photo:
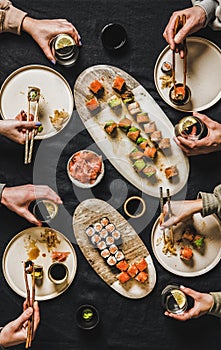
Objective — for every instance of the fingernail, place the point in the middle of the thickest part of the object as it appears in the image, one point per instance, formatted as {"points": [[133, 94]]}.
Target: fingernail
{"points": [[80, 42], [28, 311], [181, 286], [53, 61], [38, 123]]}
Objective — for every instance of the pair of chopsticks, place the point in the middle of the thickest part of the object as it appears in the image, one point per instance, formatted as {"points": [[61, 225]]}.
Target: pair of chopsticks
{"points": [[33, 97], [180, 22], [169, 212], [30, 302]]}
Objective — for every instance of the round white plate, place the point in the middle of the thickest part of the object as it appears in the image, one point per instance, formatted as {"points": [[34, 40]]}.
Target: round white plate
{"points": [[15, 254], [85, 185], [55, 94], [201, 263], [203, 74]]}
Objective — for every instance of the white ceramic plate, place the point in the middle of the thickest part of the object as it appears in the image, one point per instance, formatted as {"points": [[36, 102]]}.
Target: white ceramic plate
{"points": [[203, 74], [201, 262], [55, 94], [81, 184], [117, 149], [15, 254]]}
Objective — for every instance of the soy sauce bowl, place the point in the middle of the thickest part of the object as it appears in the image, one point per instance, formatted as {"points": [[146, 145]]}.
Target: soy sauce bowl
{"points": [[113, 36], [87, 317], [183, 101]]}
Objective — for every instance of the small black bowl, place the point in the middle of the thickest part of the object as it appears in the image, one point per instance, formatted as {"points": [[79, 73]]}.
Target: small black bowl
{"points": [[113, 36], [186, 98], [81, 319]]}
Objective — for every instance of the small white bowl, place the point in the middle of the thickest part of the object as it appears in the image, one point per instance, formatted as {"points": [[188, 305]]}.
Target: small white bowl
{"points": [[80, 184]]}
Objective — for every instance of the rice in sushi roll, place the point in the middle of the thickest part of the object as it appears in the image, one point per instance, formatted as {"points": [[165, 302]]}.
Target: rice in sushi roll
{"points": [[101, 245], [105, 221], [109, 240], [95, 239], [119, 255], [103, 233], [113, 249], [117, 236], [90, 231], [110, 227], [98, 226], [111, 260], [105, 253]]}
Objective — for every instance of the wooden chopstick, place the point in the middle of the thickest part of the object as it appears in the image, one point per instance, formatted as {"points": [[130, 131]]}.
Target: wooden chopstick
{"points": [[185, 54], [170, 214], [162, 214], [33, 134], [30, 302], [27, 136], [173, 56]]}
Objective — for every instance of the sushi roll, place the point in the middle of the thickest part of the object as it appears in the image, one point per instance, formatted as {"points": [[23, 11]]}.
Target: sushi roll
{"points": [[135, 154], [122, 265], [132, 270], [186, 253], [150, 152], [164, 143], [149, 171], [93, 106], [198, 241], [188, 234], [95, 239], [103, 233], [133, 133], [150, 127], [125, 124], [111, 260], [113, 249], [109, 240], [141, 277], [105, 221], [171, 171], [119, 84], [139, 165], [156, 136], [123, 277], [166, 68], [110, 227], [142, 142], [127, 97], [114, 103], [90, 231], [111, 128], [116, 235], [134, 108], [97, 226], [105, 253], [141, 265], [119, 255], [101, 245], [96, 88], [142, 118]]}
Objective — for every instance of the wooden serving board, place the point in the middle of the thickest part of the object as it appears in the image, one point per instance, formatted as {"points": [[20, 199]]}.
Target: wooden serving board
{"points": [[91, 211], [117, 149]]}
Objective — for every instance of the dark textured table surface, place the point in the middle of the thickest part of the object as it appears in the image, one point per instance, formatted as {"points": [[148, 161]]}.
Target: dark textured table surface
{"points": [[124, 323]]}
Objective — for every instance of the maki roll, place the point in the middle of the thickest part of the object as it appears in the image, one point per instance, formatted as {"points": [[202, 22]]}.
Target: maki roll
{"points": [[125, 124], [166, 68], [135, 154], [186, 253], [141, 277], [95, 239], [139, 165], [109, 240], [116, 235], [133, 133], [114, 103], [142, 142], [142, 118], [134, 108], [198, 241], [119, 84], [164, 143], [90, 231], [103, 233], [98, 226], [188, 234], [110, 227], [111, 128], [122, 265], [119, 255], [111, 260], [149, 171], [156, 136], [113, 249], [105, 221], [171, 171], [96, 88], [150, 152], [123, 277], [150, 127], [101, 245], [141, 265], [179, 95], [105, 253], [93, 106], [132, 270], [127, 97]]}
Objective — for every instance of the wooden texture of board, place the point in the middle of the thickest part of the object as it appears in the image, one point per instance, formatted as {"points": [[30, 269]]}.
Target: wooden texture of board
{"points": [[91, 211]]}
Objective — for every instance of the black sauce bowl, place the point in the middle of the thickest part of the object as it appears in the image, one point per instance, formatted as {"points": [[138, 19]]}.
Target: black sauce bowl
{"points": [[82, 322], [113, 36], [186, 98]]}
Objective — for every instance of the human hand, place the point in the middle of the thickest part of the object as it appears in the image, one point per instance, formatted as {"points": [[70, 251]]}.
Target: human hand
{"points": [[44, 30], [18, 199], [210, 143], [15, 332], [195, 20], [202, 304], [181, 211], [15, 129]]}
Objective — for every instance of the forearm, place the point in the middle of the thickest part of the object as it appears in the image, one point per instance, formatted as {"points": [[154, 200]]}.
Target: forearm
{"points": [[1, 189], [215, 310], [10, 17], [211, 202], [212, 12]]}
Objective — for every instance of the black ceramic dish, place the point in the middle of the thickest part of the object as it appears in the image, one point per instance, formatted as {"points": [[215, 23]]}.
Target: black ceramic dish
{"points": [[87, 317], [113, 36], [180, 102]]}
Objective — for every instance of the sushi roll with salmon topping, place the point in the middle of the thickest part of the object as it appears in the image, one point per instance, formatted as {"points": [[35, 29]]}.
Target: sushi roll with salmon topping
{"points": [[167, 68], [125, 124], [132, 270], [114, 103], [101, 245], [93, 106], [98, 226], [96, 88], [113, 249], [133, 133], [105, 253], [150, 127], [188, 234], [142, 142], [90, 231], [149, 171], [111, 128], [122, 265], [171, 172], [119, 255], [150, 152], [142, 118], [111, 260], [141, 265], [142, 277], [135, 154], [119, 84], [198, 241], [186, 253], [105, 221], [123, 277], [127, 97]]}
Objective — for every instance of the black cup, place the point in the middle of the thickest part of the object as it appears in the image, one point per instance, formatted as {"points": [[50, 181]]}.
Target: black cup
{"points": [[87, 317], [113, 36]]}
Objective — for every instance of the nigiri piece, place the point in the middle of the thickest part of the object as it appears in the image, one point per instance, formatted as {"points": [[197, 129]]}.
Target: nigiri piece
{"points": [[186, 253]]}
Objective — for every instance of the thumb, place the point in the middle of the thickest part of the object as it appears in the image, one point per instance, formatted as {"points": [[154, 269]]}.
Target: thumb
{"points": [[31, 218], [23, 318]]}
